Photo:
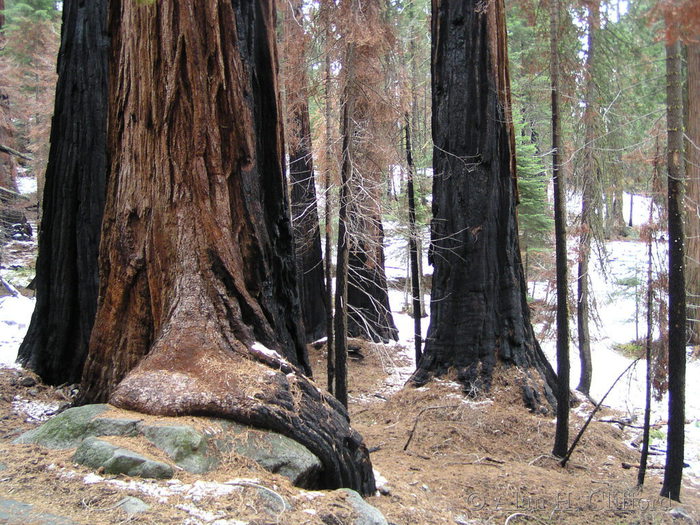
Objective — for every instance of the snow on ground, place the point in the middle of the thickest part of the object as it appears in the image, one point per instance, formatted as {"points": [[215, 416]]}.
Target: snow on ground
{"points": [[620, 319], [26, 185], [15, 314]]}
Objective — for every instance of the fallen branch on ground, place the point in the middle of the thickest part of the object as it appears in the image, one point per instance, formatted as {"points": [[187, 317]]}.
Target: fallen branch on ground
{"points": [[10, 151], [415, 423], [566, 458]]}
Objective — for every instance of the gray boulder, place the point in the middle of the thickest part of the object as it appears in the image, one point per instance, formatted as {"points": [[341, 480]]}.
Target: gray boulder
{"points": [[273, 452], [132, 505], [188, 448], [365, 514], [18, 513], [96, 454]]}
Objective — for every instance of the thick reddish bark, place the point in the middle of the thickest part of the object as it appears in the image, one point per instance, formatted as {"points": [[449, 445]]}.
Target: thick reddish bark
{"points": [[197, 259], [479, 313], [74, 193]]}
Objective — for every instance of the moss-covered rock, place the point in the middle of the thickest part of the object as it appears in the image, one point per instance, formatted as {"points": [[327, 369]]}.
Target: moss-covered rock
{"points": [[187, 447], [96, 453], [66, 430]]}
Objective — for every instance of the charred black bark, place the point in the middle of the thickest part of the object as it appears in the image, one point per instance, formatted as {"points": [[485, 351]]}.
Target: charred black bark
{"points": [[561, 437], [307, 234], [479, 313], [369, 313], [673, 473], [66, 272]]}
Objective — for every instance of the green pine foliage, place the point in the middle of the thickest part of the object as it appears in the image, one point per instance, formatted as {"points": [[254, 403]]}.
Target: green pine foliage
{"points": [[534, 212]]}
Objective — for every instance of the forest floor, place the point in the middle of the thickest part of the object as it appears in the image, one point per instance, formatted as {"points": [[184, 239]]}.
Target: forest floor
{"points": [[446, 459], [443, 458]]}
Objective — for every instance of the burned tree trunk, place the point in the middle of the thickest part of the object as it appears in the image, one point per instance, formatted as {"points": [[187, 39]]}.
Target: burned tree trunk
{"points": [[673, 473], [479, 313], [307, 235], [692, 223], [589, 197], [199, 311], [369, 313], [561, 436], [66, 272]]}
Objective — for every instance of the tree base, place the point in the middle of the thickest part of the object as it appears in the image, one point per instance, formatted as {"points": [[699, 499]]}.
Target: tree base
{"points": [[517, 383], [259, 389]]}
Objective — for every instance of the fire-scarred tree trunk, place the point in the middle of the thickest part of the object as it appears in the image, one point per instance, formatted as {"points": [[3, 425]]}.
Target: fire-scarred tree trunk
{"points": [[673, 473], [692, 223], [479, 313], [307, 235], [199, 310], [66, 272], [369, 313]]}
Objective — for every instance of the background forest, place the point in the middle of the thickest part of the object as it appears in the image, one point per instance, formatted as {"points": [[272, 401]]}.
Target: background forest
{"points": [[360, 150]]}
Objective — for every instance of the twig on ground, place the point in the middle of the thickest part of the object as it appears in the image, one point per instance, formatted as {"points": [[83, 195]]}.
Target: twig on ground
{"points": [[522, 515], [566, 458], [415, 423]]}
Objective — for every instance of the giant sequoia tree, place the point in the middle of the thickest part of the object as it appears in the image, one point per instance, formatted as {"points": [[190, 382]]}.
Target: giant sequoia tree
{"points": [[199, 310], [479, 311], [74, 194]]}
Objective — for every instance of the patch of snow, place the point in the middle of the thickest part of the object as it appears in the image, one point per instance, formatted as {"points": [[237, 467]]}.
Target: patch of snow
{"points": [[265, 350], [199, 513], [379, 480], [15, 314], [34, 410], [26, 184]]}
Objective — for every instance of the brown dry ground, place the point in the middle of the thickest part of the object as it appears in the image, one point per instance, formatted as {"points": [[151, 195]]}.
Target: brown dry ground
{"points": [[484, 459]]}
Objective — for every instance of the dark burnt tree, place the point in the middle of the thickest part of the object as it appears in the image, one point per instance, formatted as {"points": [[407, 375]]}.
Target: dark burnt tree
{"points": [[692, 203], [673, 473], [366, 38], [74, 194], [479, 313], [590, 195], [307, 235], [561, 439], [198, 310]]}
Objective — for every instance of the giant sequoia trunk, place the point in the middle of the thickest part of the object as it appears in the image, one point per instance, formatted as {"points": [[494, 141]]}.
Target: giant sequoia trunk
{"points": [[66, 272], [199, 311], [369, 313], [479, 313], [307, 235]]}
